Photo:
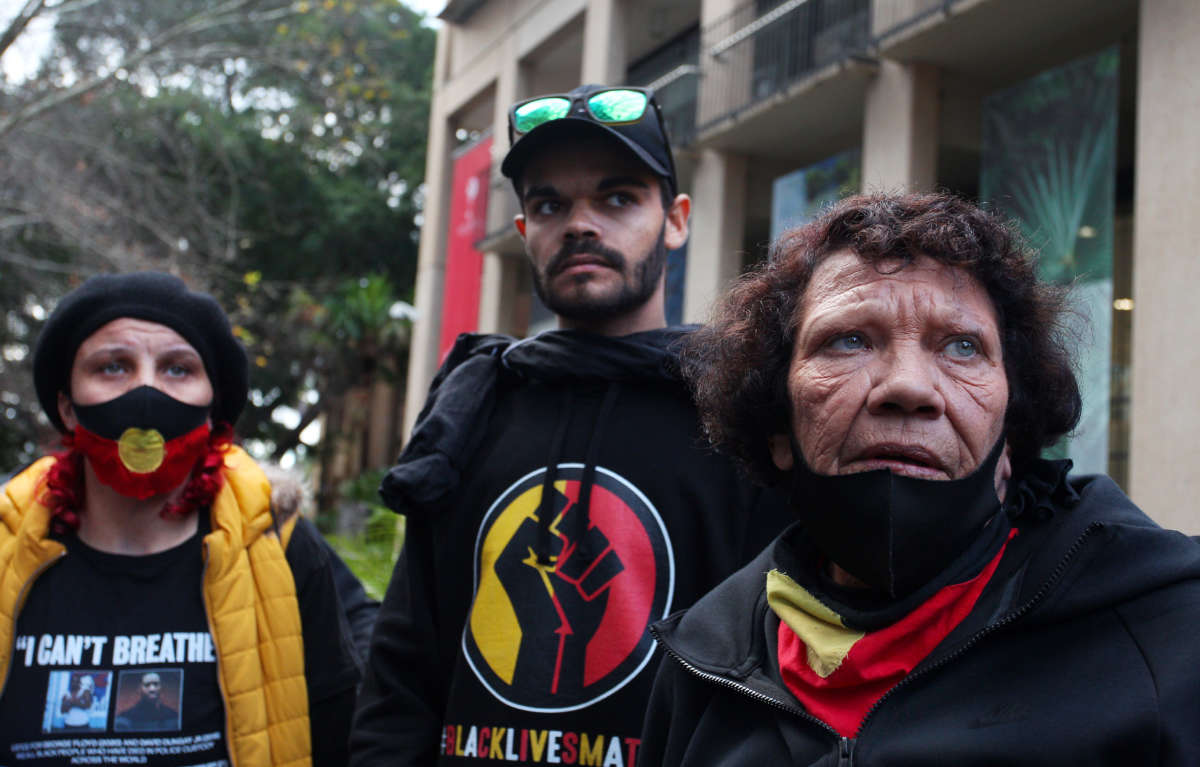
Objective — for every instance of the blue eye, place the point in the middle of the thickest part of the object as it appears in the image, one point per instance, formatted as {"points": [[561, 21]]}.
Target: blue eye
{"points": [[546, 207], [851, 342], [962, 348]]}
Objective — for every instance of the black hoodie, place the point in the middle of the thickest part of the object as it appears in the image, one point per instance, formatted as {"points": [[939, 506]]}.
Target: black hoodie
{"points": [[559, 499], [1081, 651]]}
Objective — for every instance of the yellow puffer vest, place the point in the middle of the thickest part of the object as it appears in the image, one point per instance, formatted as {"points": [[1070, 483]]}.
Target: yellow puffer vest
{"points": [[249, 595]]}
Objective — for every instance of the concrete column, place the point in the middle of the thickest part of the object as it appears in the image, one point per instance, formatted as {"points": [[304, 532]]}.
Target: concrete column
{"points": [[1165, 418], [490, 299], [512, 85], [711, 10], [431, 258], [900, 129], [727, 75], [718, 186], [498, 289], [717, 230], [605, 54], [500, 294]]}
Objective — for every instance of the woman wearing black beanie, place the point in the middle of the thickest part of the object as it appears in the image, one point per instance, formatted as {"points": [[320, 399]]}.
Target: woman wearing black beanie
{"points": [[144, 565]]}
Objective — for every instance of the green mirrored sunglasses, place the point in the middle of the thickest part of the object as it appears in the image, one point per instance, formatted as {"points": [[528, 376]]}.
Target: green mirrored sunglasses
{"points": [[612, 107]]}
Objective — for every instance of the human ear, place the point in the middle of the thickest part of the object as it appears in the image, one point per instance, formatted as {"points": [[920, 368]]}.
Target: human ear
{"points": [[781, 451], [675, 232], [1003, 472], [66, 411]]}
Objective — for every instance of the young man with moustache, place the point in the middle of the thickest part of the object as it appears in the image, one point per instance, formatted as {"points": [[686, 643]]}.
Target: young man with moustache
{"points": [[557, 497]]}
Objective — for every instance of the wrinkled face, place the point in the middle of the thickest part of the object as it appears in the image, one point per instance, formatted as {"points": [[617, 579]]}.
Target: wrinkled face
{"points": [[151, 685], [127, 353], [595, 229], [900, 371]]}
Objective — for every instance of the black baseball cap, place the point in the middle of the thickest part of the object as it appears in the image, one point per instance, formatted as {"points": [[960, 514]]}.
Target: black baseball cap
{"points": [[646, 137]]}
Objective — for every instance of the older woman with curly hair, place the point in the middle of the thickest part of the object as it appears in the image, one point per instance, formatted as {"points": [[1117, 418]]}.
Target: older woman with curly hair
{"points": [[946, 596]]}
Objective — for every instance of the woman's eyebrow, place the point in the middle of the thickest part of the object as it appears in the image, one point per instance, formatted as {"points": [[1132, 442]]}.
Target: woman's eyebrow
{"points": [[111, 348], [181, 351]]}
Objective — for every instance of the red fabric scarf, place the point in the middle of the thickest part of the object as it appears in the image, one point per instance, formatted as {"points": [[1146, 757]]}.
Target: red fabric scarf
{"points": [[178, 458], [880, 659]]}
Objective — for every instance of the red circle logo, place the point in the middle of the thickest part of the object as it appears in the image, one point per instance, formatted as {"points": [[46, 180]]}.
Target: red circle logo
{"points": [[560, 618]]}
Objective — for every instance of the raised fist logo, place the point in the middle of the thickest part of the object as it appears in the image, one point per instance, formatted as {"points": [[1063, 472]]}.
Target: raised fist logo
{"points": [[561, 630]]}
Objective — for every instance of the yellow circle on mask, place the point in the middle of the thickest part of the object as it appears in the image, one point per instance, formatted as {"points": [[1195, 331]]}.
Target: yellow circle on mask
{"points": [[141, 450]]}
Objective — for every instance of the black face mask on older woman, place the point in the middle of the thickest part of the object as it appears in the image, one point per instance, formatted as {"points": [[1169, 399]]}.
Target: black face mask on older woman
{"points": [[892, 532]]}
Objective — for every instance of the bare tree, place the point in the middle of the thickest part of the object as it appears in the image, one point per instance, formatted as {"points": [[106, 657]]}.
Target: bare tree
{"points": [[208, 138]]}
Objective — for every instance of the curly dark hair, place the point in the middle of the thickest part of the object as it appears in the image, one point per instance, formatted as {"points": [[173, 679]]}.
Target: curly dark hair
{"points": [[737, 365]]}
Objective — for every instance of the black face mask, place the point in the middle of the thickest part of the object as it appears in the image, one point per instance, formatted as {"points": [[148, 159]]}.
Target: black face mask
{"points": [[893, 532], [144, 408], [142, 443]]}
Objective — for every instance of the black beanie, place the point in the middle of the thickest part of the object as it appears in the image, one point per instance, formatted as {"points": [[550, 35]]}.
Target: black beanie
{"points": [[150, 296]]}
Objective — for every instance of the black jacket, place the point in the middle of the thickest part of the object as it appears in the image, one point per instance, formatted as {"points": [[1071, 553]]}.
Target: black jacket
{"points": [[1081, 651], [522, 626]]}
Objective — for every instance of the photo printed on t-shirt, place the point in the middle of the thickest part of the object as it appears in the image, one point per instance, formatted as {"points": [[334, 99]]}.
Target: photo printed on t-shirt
{"points": [[148, 700], [76, 701]]}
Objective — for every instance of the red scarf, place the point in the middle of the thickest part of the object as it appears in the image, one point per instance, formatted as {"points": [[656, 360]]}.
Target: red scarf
{"points": [[860, 668], [137, 466]]}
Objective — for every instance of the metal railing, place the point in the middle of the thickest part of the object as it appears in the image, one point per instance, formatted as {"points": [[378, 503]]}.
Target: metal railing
{"points": [[677, 96], [673, 72], [763, 46]]}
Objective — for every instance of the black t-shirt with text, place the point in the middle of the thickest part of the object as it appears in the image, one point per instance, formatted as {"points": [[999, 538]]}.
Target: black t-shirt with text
{"points": [[113, 663]]}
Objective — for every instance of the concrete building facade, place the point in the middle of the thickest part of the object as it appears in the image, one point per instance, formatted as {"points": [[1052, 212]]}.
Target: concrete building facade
{"points": [[756, 90]]}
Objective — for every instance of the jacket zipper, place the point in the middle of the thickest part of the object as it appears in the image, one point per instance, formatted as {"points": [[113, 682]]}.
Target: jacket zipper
{"points": [[1015, 615], [212, 633], [845, 745], [21, 597], [846, 752]]}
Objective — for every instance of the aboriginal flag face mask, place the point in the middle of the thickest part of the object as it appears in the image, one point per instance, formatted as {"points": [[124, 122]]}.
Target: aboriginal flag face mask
{"points": [[143, 443]]}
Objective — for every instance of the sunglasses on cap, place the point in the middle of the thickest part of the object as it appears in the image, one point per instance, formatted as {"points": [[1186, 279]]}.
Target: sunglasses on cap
{"points": [[625, 111], [615, 106]]}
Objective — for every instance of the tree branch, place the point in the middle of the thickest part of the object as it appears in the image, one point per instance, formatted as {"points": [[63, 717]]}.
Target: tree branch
{"points": [[9, 222], [20, 21], [292, 439], [42, 265], [224, 15]]}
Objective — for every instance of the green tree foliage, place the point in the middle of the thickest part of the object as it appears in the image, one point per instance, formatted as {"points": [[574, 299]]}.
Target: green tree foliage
{"points": [[268, 151]]}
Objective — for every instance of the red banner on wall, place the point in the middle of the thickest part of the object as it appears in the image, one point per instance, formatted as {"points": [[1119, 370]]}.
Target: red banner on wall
{"points": [[468, 224]]}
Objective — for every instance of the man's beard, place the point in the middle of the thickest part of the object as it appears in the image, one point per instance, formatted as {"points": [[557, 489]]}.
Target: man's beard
{"points": [[635, 289]]}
